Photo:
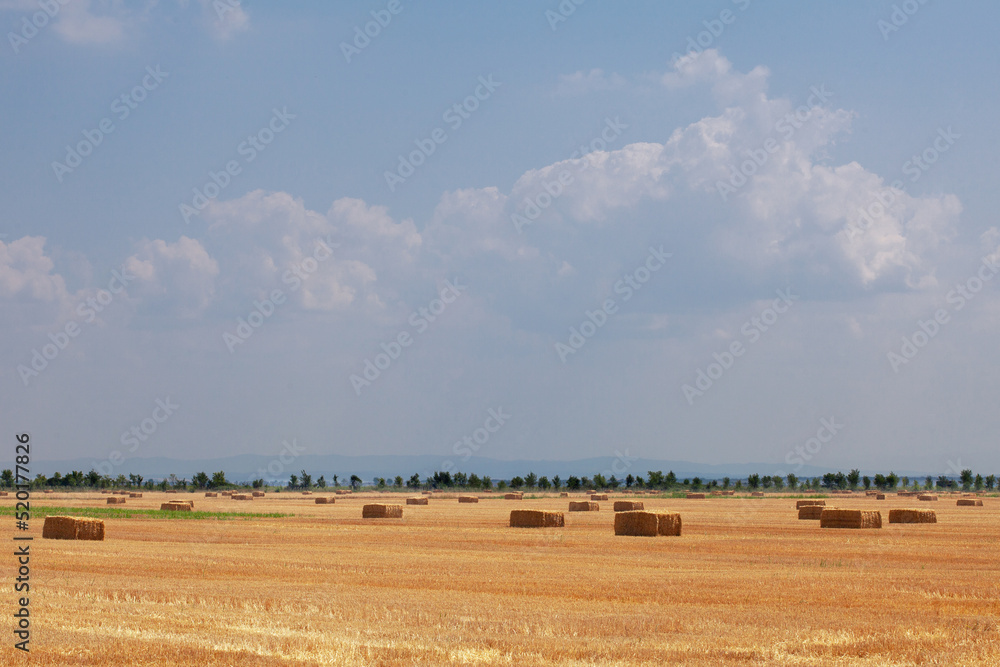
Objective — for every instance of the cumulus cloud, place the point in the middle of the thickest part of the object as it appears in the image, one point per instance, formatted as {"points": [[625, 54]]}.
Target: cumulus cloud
{"points": [[26, 271], [179, 277]]}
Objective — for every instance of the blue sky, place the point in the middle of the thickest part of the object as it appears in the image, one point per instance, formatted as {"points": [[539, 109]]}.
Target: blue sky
{"points": [[327, 132]]}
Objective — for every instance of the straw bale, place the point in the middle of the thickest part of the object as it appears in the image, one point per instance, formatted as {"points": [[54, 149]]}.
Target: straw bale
{"points": [[89, 529], [116, 501], [598, 496], [536, 519], [628, 505], [468, 499], [838, 518], [583, 506], [927, 496], [647, 524], [912, 516], [811, 512], [799, 504], [695, 496], [381, 511], [417, 501], [969, 502], [59, 528]]}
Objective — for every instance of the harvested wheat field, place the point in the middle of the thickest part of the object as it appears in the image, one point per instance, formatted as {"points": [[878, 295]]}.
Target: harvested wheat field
{"points": [[746, 584]]}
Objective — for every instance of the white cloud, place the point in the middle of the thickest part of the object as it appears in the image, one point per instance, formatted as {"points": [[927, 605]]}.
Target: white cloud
{"points": [[78, 24], [224, 18], [26, 271], [179, 276]]}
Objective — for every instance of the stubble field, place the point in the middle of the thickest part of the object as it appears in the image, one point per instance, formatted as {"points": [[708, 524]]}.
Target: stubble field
{"points": [[746, 584]]}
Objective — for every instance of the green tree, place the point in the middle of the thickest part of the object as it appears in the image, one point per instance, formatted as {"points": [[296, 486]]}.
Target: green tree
{"points": [[880, 482], [474, 481], [966, 477], [614, 482], [779, 481], [670, 479], [978, 483], [487, 482], [501, 485], [696, 483], [726, 480], [990, 481], [381, 482], [7, 477], [531, 480], [600, 482], [557, 483], [321, 482], [414, 482], [853, 478], [516, 482], [257, 484], [293, 481], [543, 483], [866, 481], [892, 480], [573, 483], [218, 480], [336, 480], [753, 481], [200, 480], [398, 481], [629, 481], [906, 482], [765, 481], [928, 482], [356, 482], [307, 480], [738, 485], [793, 481], [656, 479]]}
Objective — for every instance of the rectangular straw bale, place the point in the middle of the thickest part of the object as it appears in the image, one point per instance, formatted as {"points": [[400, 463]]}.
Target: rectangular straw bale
{"points": [[417, 501], [116, 501], [564, 495], [598, 496], [49, 491], [536, 519], [927, 496], [176, 507], [380, 511], [583, 506], [242, 496], [211, 494], [59, 528], [135, 495], [757, 494], [969, 502], [468, 499], [323, 500], [811, 512], [89, 529], [669, 524], [628, 505], [879, 496], [695, 496], [912, 516], [838, 518], [307, 493], [799, 504], [513, 496], [258, 494], [647, 524], [171, 490], [102, 491]]}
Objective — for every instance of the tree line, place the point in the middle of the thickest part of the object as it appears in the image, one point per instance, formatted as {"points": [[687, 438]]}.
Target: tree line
{"points": [[853, 480]]}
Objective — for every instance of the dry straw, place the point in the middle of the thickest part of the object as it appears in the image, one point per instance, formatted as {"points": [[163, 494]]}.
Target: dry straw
{"points": [[307, 493], [583, 506], [116, 501], [343, 492], [757, 494], [811, 512], [927, 496], [912, 516], [135, 495], [879, 496], [536, 519], [969, 502], [564, 495], [379, 511], [211, 494], [325, 501], [695, 496], [799, 504], [176, 507], [59, 528], [242, 496], [513, 496], [628, 505], [647, 524], [837, 518], [416, 501], [258, 494], [468, 499], [89, 529], [598, 496]]}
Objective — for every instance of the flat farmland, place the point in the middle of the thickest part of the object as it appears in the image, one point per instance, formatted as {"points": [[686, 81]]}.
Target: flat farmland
{"points": [[747, 583]]}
